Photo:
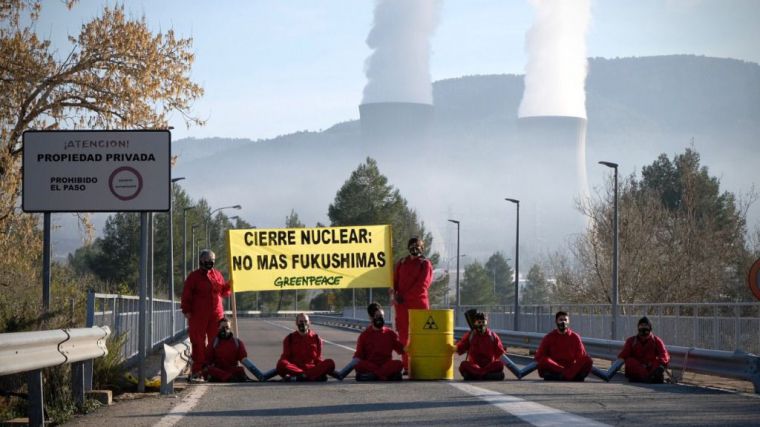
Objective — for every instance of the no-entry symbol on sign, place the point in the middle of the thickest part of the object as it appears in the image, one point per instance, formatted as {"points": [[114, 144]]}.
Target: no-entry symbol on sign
{"points": [[125, 183]]}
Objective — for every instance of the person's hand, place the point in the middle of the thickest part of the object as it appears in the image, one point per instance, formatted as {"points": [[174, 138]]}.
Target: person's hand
{"points": [[451, 348]]}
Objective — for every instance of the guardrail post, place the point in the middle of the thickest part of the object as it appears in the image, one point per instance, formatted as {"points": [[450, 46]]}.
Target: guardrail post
{"points": [[89, 322], [36, 410], [78, 382]]}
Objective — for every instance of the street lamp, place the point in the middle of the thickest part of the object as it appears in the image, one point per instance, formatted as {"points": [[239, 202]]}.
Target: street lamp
{"points": [[614, 251], [193, 255], [184, 240], [170, 269], [210, 215], [517, 264], [456, 309]]}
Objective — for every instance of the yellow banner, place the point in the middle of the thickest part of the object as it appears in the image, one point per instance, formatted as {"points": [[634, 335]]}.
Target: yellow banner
{"points": [[311, 258]]}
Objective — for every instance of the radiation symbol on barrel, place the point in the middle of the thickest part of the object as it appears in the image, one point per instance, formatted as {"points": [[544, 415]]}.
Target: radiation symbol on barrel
{"points": [[430, 324], [753, 279]]}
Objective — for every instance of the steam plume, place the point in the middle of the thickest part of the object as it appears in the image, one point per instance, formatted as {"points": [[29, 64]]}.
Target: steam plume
{"points": [[556, 71], [399, 68]]}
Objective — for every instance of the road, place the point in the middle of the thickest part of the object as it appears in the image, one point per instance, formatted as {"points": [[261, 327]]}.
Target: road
{"points": [[530, 401]]}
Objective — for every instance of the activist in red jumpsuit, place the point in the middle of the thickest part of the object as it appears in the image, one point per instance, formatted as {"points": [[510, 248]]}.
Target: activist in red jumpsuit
{"points": [[301, 357], [484, 350], [202, 306], [374, 350], [645, 355], [411, 281], [223, 355], [561, 354]]}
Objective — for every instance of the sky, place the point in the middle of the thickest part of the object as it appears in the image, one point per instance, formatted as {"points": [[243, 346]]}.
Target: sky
{"points": [[280, 66]]}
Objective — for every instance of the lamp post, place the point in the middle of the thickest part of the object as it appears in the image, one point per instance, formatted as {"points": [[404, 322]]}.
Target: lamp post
{"points": [[192, 243], [210, 215], [614, 251], [517, 264], [184, 240], [170, 269], [456, 307]]}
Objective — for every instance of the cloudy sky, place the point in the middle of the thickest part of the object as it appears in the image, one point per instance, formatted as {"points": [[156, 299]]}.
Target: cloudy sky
{"points": [[272, 67]]}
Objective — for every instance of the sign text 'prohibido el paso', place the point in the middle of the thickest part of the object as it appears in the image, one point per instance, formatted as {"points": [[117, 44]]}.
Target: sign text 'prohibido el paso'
{"points": [[311, 258]]}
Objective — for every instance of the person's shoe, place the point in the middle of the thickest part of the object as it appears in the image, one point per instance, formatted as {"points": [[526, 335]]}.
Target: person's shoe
{"points": [[405, 372], [335, 375], [494, 376], [551, 376], [658, 376], [301, 378], [196, 379], [396, 377], [366, 376]]}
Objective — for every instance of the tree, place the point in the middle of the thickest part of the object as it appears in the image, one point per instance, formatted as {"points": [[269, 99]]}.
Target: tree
{"points": [[476, 287], [681, 239], [117, 74], [501, 273], [367, 198], [537, 288]]}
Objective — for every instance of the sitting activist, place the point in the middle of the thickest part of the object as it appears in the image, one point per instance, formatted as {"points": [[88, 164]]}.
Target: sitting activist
{"points": [[223, 354], [301, 358], [645, 355], [484, 350], [561, 354], [374, 350]]}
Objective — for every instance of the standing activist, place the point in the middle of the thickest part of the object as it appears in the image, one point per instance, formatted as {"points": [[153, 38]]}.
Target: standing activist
{"points": [[301, 358], [645, 355], [561, 354], [411, 281], [202, 306]]}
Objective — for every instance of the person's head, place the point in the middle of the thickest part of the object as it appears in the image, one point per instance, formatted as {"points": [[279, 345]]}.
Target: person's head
{"points": [[416, 246], [378, 319], [645, 326], [206, 259], [224, 328], [479, 322], [562, 320], [302, 323], [372, 308]]}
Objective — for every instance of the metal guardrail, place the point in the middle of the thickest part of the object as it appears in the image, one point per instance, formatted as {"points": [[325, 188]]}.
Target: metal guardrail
{"points": [[737, 365], [121, 314], [32, 351], [174, 360], [715, 326]]}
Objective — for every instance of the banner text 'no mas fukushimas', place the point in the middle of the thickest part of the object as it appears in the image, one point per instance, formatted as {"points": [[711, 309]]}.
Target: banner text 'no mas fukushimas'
{"points": [[311, 258]]}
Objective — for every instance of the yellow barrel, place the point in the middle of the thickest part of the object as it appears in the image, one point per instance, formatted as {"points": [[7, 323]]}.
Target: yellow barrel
{"points": [[431, 333]]}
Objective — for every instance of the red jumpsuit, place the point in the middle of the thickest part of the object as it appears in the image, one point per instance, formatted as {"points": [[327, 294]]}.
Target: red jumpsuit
{"points": [[374, 350], [302, 355], [202, 299], [643, 355], [411, 281], [483, 354], [222, 357], [563, 354]]}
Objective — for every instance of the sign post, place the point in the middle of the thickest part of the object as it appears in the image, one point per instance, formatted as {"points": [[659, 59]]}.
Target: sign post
{"points": [[97, 171]]}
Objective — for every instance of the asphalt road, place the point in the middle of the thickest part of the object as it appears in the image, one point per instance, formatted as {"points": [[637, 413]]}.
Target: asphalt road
{"points": [[530, 401]]}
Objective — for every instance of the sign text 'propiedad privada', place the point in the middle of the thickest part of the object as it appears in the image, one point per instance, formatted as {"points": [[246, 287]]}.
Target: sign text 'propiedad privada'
{"points": [[96, 171], [311, 258]]}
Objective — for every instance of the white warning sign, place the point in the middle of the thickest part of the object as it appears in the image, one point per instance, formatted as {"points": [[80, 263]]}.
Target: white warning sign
{"points": [[96, 171]]}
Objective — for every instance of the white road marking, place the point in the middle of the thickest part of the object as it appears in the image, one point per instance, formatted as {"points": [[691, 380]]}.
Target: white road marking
{"points": [[531, 412], [188, 403], [327, 341]]}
